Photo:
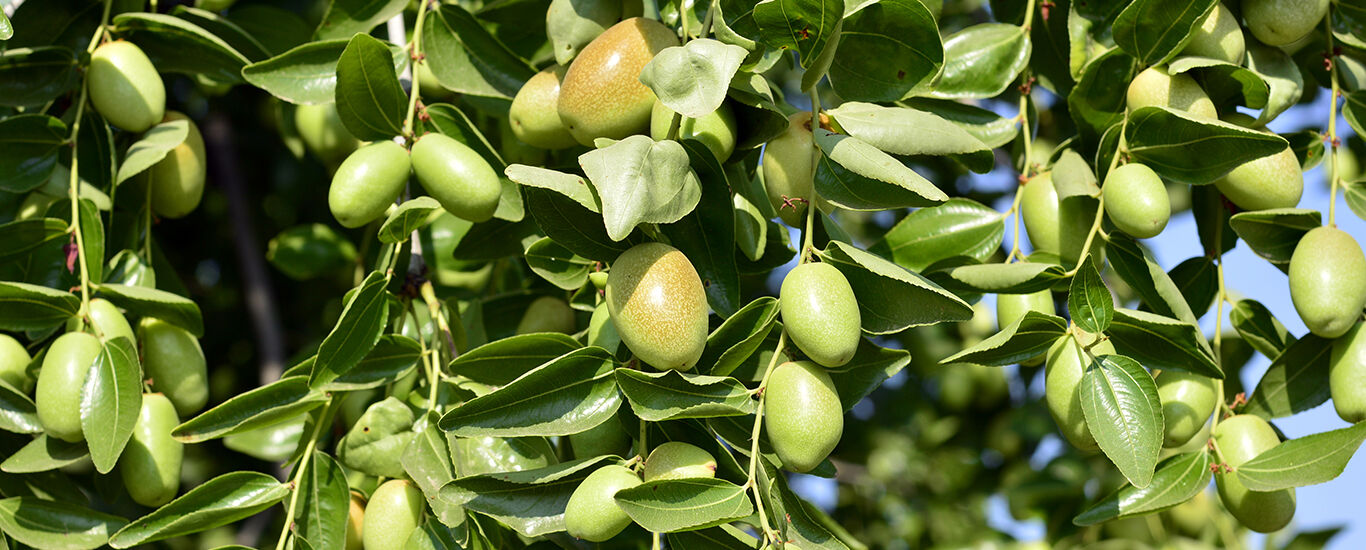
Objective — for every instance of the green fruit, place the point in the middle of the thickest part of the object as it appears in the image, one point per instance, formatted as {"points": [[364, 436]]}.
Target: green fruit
{"points": [[125, 87], [534, 116], [820, 313], [678, 460], [150, 464], [355, 523], [658, 305], [602, 332], [106, 321], [1075, 217], [1281, 22], [393, 513], [592, 513], [454, 174], [1063, 370], [1218, 37], [788, 168], [1273, 181], [1188, 400], [601, 95], [1347, 375], [803, 415], [34, 206], [1155, 87], [1136, 200], [172, 359], [323, 133], [14, 360], [1192, 517], [1241, 438], [58, 395], [1039, 208], [367, 182], [606, 438], [1013, 307], [547, 314], [177, 182], [716, 130], [1328, 281]]}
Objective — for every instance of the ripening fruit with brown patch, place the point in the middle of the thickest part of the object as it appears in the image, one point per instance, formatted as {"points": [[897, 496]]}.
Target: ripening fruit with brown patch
{"points": [[1241, 438], [601, 95], [820, 313], [534, 117], [658, 305], [1328, 281], [1064, 366], [125, 87], [803, 415]]}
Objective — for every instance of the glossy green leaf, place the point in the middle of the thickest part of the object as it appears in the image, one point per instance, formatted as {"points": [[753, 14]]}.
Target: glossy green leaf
{"points": [[572, 24], [692, 79], [34, 76], [871, 366], [1273, 234], [673, 395], [44, 453], [725, 537], [1097, 102], [707, 234], [178, 46], [427, 461], [1355, 193], [369, 98], [739, 336], [1153, 31], [982, 60], [1089, 302], [231, 33], [569, 185], [1259, 328], [908, 131], [1137, 267], [557, 264], [375, 443], [1022, 340], [345, 18], [530, 501], [1226, 82], [307, 74], [991, 129], [29, 146], [671, 505], [806, 26], [19, 238], [263, 406], [1073, 177], [1160, 342], [1296, 381], [888, 50], [410, 216], [570, 394], [311, 250], [324, 502], [174, 309], [502, 361], [857, 176], [1122, 410], [31, 307], [1012, 278], [356, 332], [955, 229], [92, 237], [1283, 78], [640, 180], [1309, 460], [1177, 480], [881, 287], [1186, 149], [18, 413], [219, 501], [56, 525], [1198, 280], [152, 148], [110, 402], [467, 59]]}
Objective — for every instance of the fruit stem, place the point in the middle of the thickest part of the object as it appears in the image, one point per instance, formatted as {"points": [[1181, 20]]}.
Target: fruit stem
{"points": [[99, 32], [415, 56], [75, 192], [707, 23], [1029, 16], [655, 544], [1100, 206], [815, 162], [758, 429], [434, 306], [1025, 129], [1333, 175], [304, 459]]}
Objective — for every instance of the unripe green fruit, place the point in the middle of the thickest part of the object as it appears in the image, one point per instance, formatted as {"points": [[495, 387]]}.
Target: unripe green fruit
{"points": [[35, 206], [106, 321], [1039, 208], [171, 357], [820, 313], [534, 116], [125, 87], [658, 305], [717, 130], [1218, 37], [1013, 307], [1156, 87], [602, 332], [1273, 181], [323, 133], [1281, 22], [592, 513], [367, 182], [58, 395], [1193, 516], [150, 464], [1241, 438], [1328, 281], [393, 513], [1075, 217], [606, 438], [788, 170], [14, 360], [547, 314], [1347, 375], [1136, 201], [355, 523], [1064, 366], [177, 182], [601, 95], [679, 460], [1188, 400], [454, 174], [802, 414]]}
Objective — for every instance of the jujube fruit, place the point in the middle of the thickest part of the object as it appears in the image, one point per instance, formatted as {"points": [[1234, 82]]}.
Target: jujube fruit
{"points": [[820, 313], [1136, 201], [1156, 87], [1328, 281], [367, 182], [1273, 181], [534, 117], [1188, 400], [658, 305], [173, 360], [355, 524], [1281, 22], [803, 415], [547, 314], [1241, 438], [1076, 215], [788, 169], [125, 87], [716, 130], [393, 513], [1347, 375], [1064, 366], [323, 133], [150, 464], [606, 438], [177, 182], [1013, 307], [14, 360], [1218, 37], [58, 395], [456, 176], [592, 513], [601, 95], [106, 321], [679, 460], [1039, 210]]}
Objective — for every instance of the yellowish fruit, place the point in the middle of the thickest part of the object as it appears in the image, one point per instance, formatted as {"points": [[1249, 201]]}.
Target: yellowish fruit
{"points": [[1218, 37], [324, 134], [393, 513], [820, 313], [601, 95], [1039, 208], [716, 130], [1273, 181], [592, 513], [1282, 22], [658, 306], [534, 117], [1136, 201], [1347, 375], [456, 176], [679, 460], [150, 464], [14, 360], [177, 182], [547, 314], [368, 182], [803, 418], [58, 396]]}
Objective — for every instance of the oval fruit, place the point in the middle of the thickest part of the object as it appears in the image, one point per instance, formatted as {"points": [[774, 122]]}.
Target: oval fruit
{"points": [[788, 169], [1188, 400], [1013, 307], [1039, 208], [679, 460], [391, 516], [804, 417], [454, 174], [547, 314], [355, 523], [820, 313], [1063, 369], [367, 182], [1136, 200], [1273, 181], [1156, 87], [177, 182], [716, 130], [14, 360], [107, 321], [1281, 22], [125, 87], [592, 513], [1328, 281], [323, 133], [173, 360], [1218, 37], [150, 464], [1241, 438], [534, 117], [58, 395], [601, 95], [658, 305], [1347, 375], [606, 438]]}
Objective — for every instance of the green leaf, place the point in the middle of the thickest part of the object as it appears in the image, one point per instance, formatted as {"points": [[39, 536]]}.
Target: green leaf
{"points": [[1137, 267], [20, 238], [499, 362], [557, 264], [692, 79], [31, 307], [1153, 31], [1259, 328], [870, 367], [152, 148], [178, 46], [34, 76], [18, 413], [174, 309], [1355, 193], [530, 501], [568, 395], [889, 49], [376, 441], [981, 61], [991, 129], [1025, 339], [369, 98], [1177, 480], [1296, 381], [29, 146], [1089, 302], [345, 18], [311, 250], [957, 228], [725, 537], [641, 180], [1073, 177], [55, 525], [707, 234], [324, 503], [214, 503], [572, 24], [1160, 342], [908, 131], [857, 176], [410, 216], [111, 400], [1226, 82], [881, 288], [673, 395], [1122, 410], [356, 332], [307, 74], [92, 237], [578, 229], [739, 336], [6, 28], [1273, 233], [44, 453], [1186, 149], [1198, 280], [427, 461], [224, 28], [1012, 278], [263, 406], [569, 185], [1309, 460], [467, 59], [1097, 102], [1282, 77], [672, 505], [806, 26]]}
